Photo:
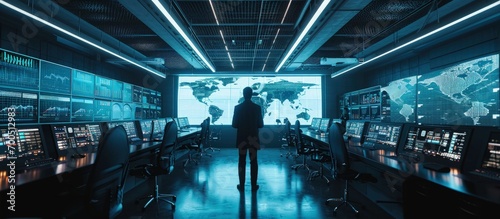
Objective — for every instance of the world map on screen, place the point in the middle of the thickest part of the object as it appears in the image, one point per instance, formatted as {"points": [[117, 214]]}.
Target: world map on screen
{"points": [[280, 97], [463, 94]]}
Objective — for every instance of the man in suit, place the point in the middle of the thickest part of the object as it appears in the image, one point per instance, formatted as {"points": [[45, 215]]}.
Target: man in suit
{"points": [[247, 119]]}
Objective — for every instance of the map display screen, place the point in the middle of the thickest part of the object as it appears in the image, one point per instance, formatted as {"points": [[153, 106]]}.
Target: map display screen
{"points": [[463, 94], [280, 97]]}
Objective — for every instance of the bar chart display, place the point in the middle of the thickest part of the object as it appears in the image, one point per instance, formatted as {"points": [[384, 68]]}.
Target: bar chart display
{"points": [[54, 108], [18, 71], [55, 78], [102, 87], [117, 90], [83, 83], [24, 104], [127, 92]]}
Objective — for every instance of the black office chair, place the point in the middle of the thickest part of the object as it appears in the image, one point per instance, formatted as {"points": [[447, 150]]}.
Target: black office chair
{"points": [[163, 164], [301, 148], [289, 140], [196, 148], [341, 166], [104, 189], [209, 136]]}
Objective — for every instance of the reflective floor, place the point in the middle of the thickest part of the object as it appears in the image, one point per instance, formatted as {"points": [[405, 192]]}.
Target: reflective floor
{"points": [[208, 190]]}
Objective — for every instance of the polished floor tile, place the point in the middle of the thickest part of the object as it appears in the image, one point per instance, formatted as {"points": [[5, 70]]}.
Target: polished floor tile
{"points": [[208, 190]]}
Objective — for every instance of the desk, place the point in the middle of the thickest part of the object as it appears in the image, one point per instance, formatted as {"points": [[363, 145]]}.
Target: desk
{"points": [[67, 165], [419, 189]]}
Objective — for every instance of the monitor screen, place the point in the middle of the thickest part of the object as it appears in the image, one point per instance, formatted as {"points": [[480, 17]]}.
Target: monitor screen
{"points": [[440, 144], [102, 87], [183, 122], [55, 78], [324, 125], [490, 159], [146, 128], [354, 132], [23, 104], [383, 136], [83, 83], [129, 128], [18, 71], [280, 97], [28, 149], [159, 125], [54, 108], [82, 109], [315, 122], [78, 137], [102, 110]]}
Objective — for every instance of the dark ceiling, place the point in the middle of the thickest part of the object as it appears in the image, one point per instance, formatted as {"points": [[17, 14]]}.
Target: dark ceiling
{"points": [[256, 33]]}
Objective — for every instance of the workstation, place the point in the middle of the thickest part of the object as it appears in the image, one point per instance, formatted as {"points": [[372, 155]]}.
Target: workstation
{"points": [[418, 82]]}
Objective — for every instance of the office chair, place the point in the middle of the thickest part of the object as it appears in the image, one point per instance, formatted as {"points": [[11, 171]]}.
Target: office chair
{"points": [[198, 145], [288, 138], [341, 166], [321, 157], [209, 135], [301, 148], [104, 189], [163, 164]]}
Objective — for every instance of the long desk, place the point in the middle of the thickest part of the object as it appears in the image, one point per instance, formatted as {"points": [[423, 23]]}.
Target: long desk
{"points": [[420, 191], [67, 165]]}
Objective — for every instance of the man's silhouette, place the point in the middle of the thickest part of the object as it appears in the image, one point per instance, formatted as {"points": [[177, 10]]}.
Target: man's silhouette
{"points": [[247, 119]]}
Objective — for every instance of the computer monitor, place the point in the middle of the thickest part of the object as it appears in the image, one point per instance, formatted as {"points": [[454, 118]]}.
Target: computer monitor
{"points": [[146, 129], [355, 130], [445, 145], [24, 144], [129, 128], [381, 135], [159, 126], [183, 122], [487, 163], [324, 125], [76, 139], [315, 122]]}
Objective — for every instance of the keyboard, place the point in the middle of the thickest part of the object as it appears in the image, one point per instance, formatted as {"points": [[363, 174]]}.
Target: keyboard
{"points": [[38, 162]]}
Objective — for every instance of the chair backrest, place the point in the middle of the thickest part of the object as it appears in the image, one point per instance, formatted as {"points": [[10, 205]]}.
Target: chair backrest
{"points": [[338, 149], [108, 173], [288, 133], [298, 137], [164, 158]]}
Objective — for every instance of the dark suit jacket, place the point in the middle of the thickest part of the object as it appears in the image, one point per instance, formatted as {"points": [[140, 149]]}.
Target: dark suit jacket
{"points": [[247, 119]]}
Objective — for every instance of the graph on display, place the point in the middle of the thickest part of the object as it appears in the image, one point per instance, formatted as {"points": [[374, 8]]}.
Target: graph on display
{"points": [[54, 108], [83, 83], [102, 110], [117, 111], [127, 93], [117, 90], [102, 87], [137, 94], [55, 78], [18, 71], [24, 104], [128, 111], [293, 97], [138, 111], [82, 109]]}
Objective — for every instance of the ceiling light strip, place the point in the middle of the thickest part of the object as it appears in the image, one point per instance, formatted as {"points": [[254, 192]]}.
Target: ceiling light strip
{"points": [[420, 38], [303, 33], [81, 38], [181, 32], [213, 11]]}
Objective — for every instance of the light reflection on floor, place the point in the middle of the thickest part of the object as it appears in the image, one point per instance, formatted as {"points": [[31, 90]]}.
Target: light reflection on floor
{"points": [[208, 190]]}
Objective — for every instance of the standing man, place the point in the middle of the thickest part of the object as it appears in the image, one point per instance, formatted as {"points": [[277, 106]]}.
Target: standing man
{"points": [[247, 119]]}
